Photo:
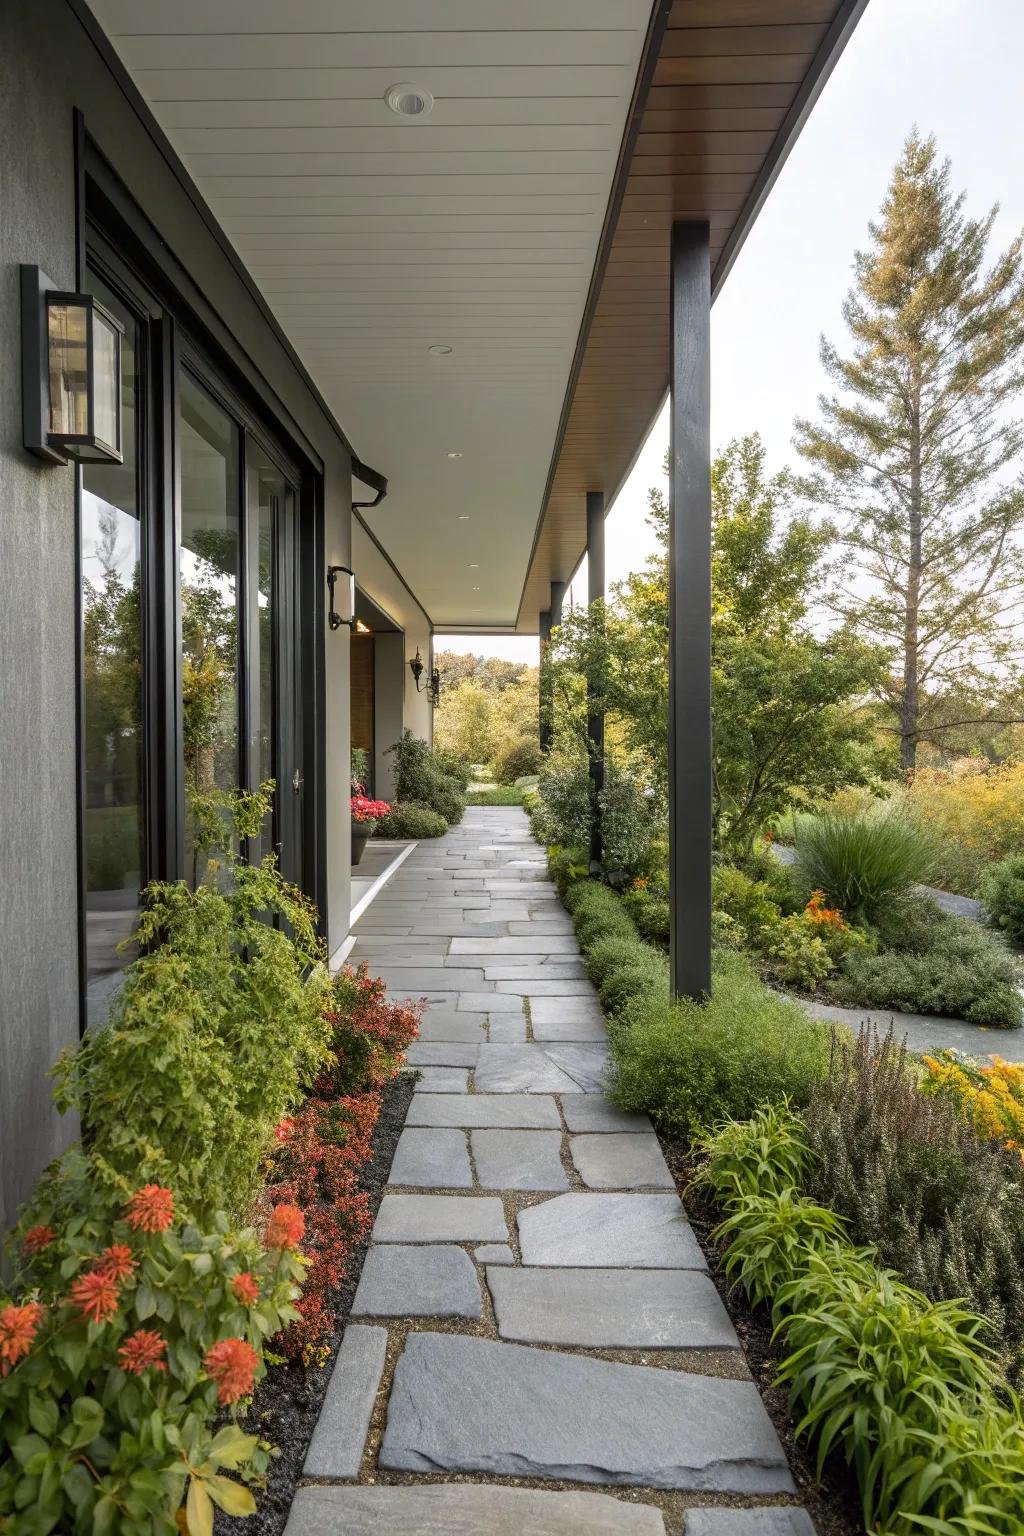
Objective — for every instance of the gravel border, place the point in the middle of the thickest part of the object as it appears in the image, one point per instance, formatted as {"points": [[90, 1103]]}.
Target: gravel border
{"points": [[288, 1400]]}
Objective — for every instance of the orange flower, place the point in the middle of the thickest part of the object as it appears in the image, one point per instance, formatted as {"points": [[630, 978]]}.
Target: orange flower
{"points": [[18, 1327], [232, 1364], [95, 1295], [142, 1349], [283, 1129], [117, 1261], [285, 1227], [37, 1238], [245, 1288], [151, 1208]]}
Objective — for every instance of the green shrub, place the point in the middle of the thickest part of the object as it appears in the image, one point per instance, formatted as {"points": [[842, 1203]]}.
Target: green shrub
{"points": [[410, 819], [861, 861], [423, 775], [633, 818], [517, 760], [562, 813], [498, 794], [689, 1064], [768, 1153], [748, 902], [567, 867], [932, 962], [798, 953], [624, 969], [1002, 890], [650, 910], [218, 1026], [597, 913], [911, 1177], [453, 766]]}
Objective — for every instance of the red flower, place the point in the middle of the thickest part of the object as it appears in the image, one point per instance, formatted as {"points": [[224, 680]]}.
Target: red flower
{"points": [[37, 1238], [232, 1364], [117, 1261], [285, 1227], [95, 1295], [151, 1208], [283, 1129], [18, 1327], [245, 1288], [368, 810], [142, 1349]]}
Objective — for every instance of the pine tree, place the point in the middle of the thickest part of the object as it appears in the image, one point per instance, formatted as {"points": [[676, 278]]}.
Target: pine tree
{"points": [[909, 454]]}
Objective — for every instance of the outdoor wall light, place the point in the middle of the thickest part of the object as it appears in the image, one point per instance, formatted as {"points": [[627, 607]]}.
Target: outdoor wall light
{"points": [[417, 668], [334, 618], [70, 374]]}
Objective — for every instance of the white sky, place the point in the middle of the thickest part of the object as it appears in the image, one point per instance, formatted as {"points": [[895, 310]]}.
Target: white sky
{"points": [[953, 67]]}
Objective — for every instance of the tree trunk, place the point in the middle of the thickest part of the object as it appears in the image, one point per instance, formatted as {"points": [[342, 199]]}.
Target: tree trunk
{"points": [[910, 704]]}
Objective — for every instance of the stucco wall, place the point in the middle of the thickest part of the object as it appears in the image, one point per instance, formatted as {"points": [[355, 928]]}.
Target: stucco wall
{"points": [[379, 581], [48, 67]]}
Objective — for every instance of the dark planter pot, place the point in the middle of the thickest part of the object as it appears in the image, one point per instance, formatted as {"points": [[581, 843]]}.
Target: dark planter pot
{"points": [[361, 831]]}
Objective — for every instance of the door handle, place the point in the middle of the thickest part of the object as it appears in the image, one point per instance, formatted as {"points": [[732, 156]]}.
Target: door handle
{"points": [[297, 781]]}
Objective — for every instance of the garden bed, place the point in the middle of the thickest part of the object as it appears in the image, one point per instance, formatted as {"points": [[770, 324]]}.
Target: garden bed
{"points": [[287, 1402]]}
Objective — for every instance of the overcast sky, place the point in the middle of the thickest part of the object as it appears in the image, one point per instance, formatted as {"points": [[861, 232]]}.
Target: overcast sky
{"points": [[950, 66]]}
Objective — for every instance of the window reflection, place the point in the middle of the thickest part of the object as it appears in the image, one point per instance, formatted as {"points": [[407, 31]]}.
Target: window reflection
{"points": [[111, 555], [208, 576]]}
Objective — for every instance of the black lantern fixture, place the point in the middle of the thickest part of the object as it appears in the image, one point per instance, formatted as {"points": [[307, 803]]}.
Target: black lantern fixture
{"points": [[433, 687], [334, 618], [71, 374]]}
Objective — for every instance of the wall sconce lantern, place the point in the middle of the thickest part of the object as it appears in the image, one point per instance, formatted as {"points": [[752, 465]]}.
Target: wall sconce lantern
{"points": [[71, 374], [334, 618], [433, 688]]}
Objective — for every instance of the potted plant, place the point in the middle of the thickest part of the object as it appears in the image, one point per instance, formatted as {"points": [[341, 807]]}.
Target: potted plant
{"points": [[365, 814]]}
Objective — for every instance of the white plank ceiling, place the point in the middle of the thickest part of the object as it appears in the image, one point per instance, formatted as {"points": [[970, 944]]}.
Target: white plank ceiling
{"points": [[374, 237]]}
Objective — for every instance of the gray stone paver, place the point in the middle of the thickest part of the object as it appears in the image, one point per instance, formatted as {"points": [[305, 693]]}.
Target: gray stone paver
{"points": [[617, 1160], [519, 1160], [611, 1308], [418, 1281], [468, 1509], [464, 1404], [511, 1062], [433, 1158]]}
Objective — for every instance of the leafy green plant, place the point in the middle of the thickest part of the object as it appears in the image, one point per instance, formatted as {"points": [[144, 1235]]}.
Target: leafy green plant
{"points": [[750, 903], [798, 953], [218, 1026], [1002, 890], [689, 1064], [911, 1177], [933, 962], [410, 819], [433, 778], [649, 909], [516, 759], [861, 861], [770, 1237], [765, 1154], [136, 1328], [633, 818], [360, 769], [453, 765], [562, 813]]}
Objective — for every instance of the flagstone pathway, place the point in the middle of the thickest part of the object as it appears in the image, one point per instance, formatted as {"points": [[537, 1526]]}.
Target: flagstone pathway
{"points": [[537, 1347]]}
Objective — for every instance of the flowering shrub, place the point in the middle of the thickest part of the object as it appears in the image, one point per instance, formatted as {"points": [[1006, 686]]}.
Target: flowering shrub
{"points": [[129, 1336], [991, 1098], [364, 809], [977, 810], [369, 1035]]}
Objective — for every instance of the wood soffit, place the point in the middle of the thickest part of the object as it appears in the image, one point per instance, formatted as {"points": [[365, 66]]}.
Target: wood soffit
{"points": [[728, 85]]}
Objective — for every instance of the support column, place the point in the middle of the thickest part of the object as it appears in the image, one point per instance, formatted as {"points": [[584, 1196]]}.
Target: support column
{"points": [[558, 591], [689, 655], [595, 715], [544, 722]]}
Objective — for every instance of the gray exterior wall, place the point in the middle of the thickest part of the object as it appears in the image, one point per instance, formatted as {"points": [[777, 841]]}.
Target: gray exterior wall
{"points": [[49, 66]]}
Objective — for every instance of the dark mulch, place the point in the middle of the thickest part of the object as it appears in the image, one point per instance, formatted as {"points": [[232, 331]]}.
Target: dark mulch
{"points": [[832, 1503], [288, 1400]]}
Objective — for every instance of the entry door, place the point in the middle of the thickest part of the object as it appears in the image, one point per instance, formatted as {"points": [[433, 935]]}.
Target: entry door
{"points": [[275, 735]]}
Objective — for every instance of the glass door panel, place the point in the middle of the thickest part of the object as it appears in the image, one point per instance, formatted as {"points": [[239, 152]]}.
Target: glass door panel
{"points": [[113, 804], [209, 587]]}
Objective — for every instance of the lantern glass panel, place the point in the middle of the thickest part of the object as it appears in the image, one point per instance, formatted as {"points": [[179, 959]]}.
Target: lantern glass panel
{"points": [[69, 369], [106, 346]]}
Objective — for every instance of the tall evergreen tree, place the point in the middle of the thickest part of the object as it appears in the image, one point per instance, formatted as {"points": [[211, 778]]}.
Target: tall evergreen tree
{"points": [[910, 450]]}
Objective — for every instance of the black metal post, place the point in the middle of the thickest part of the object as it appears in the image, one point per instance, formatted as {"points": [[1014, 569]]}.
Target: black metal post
{"points": [[595, 714], [544, 630], [689, 655], [558, 591]]}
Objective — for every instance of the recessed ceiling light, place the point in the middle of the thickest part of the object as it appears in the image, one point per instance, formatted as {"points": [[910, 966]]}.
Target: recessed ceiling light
{"points": [[409, 100], [476, 589], [463, 517], [474, 567], [453, 455], [440, 349]]}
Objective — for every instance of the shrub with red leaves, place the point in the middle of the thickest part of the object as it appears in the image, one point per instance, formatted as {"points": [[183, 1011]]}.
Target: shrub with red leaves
{"points": [[322, 1146]]}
